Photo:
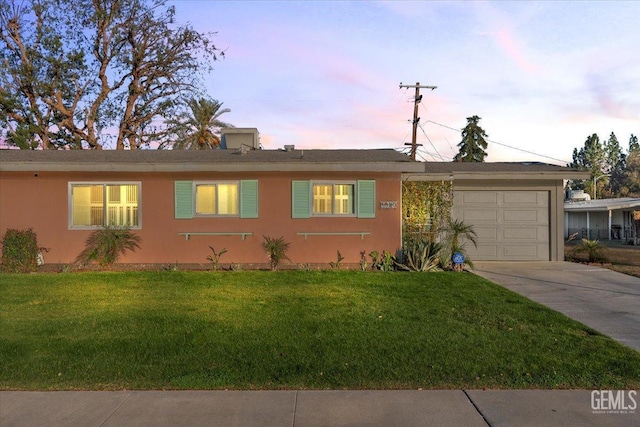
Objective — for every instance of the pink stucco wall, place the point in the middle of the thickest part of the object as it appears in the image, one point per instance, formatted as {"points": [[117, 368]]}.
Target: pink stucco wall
{"points": [[41, 202]]}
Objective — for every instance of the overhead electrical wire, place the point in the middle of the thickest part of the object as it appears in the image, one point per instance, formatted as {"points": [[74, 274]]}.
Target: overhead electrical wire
{"points": [[504, 145], [429, 139]]}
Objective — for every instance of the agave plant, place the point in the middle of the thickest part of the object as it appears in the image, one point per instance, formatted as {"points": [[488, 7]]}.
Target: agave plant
{"points": [[421, 255]]}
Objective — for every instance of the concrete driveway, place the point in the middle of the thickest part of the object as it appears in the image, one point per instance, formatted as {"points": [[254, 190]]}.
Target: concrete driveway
{"points": [[604, 300]]}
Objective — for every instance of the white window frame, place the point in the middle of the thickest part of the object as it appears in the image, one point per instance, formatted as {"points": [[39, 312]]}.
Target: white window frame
{"points": [[354, 206], [104, 184], [216, 215]]}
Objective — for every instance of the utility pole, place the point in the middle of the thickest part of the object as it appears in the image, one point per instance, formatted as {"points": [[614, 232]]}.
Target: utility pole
{"points": [[416, 119]]}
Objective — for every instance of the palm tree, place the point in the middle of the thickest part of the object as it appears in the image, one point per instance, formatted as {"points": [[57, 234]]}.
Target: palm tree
{"points": [[454, 231], [201, 128]]}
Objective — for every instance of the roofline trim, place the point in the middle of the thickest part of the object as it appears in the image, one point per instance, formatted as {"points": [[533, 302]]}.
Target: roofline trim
{"points": [[497, 175], [399, 167]]}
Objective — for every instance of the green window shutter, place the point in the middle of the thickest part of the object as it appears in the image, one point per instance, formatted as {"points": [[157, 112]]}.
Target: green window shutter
{"points": [[249, 199], [366, 199], [300, 202], [183, 199]]}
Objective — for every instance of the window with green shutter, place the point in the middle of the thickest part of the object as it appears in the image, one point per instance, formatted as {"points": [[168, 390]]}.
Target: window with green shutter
{"points": [[300, 199], [249, 199], [366, 199], [216, 199], [334, 198], [183, 199]]}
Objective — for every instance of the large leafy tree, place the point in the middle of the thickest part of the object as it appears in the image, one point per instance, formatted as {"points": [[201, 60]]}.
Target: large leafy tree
{"points": [[70, 70], [199, 128], [473, 144]]}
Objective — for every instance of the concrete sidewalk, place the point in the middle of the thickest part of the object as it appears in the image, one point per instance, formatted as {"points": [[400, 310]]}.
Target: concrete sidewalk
{"points": [[604, 300], [313, 408]]}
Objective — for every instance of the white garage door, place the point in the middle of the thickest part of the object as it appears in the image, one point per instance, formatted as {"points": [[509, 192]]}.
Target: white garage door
{"points": [[511, 225]]}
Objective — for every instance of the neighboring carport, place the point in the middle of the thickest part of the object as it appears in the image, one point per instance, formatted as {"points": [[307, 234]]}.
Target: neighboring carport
{"points": [[516, 209], [604, 300]]}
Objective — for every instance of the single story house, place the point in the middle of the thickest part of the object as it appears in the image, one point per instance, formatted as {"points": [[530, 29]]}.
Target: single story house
{"points": [[516, 209], [603, 219], [320, 201], [182, 202]]}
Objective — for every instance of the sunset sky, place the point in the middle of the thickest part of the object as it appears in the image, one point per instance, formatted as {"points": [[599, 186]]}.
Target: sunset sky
{"points": [[543, 76]]}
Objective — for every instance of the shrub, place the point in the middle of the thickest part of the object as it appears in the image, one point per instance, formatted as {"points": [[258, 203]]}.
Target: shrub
{"points": [[593, 249], [420, 255], [214, 258], [384, 262], [453, 233], [19, 251], [276, 250], [107, 244]]}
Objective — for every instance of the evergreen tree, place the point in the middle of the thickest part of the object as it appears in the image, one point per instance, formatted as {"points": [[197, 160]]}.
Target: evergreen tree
{"points": [[630, 182], [631, 177], [614, 165], [590, 157], [633, 144], [473, 144]]}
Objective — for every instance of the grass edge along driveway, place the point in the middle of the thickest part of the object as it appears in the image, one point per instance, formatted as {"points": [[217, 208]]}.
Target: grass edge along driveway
{"points": [[293, 330]]}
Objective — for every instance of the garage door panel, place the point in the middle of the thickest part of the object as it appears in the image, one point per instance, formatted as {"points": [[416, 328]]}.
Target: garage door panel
{"points": [[532, 216], [520, 216], [478, 216], [482, 252], [532, 234], [515, 234], [486, 233], [531, 198], [510, 225], [478, 198]]}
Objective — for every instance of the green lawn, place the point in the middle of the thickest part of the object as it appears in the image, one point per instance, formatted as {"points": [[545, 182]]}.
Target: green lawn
{"points": [[292, 329]]}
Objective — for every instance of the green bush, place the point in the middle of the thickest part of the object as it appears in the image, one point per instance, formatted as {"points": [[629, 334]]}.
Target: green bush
{"points": [[420, 255], [384, 261], [276, 250], [19, 251], [593, 249], [107, 244]]}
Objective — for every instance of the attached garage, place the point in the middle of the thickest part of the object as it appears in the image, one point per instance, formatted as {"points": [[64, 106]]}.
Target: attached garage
{"points": [[516, 209], [511, 225]]}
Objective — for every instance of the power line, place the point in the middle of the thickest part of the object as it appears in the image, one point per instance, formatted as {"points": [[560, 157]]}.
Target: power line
{"points": [[504, 145], [429, 139], [450, 146]]}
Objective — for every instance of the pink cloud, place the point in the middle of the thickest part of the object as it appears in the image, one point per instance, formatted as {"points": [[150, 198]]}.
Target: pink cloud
{"points": [[514, 50], [600, 87]]}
